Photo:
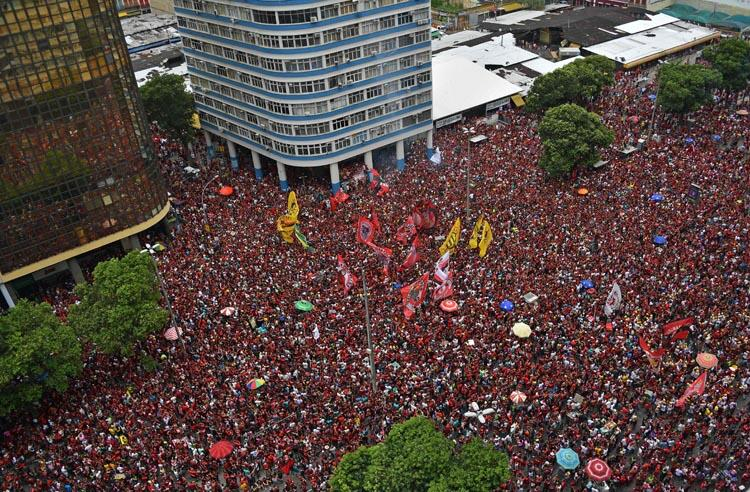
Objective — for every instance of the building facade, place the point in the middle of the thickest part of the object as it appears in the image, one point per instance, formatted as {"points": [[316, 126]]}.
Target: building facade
{"points": [[77, 168], [309, 83]]}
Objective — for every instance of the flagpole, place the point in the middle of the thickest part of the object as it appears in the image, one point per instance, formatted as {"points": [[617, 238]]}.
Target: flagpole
{"points": [[373, 380]]}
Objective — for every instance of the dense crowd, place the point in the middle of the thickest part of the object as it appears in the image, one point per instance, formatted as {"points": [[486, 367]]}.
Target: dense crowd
{"points": [[589, 385]]}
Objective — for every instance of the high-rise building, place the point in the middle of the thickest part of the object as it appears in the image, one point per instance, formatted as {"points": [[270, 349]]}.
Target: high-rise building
{"points": [[309, 83], [77, 168]]}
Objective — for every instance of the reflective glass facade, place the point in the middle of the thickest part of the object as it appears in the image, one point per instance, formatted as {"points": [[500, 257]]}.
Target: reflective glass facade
{"points": [[76, 161]]}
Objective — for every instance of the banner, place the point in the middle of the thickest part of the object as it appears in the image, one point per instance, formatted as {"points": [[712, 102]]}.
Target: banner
{"points": [[614, 299], [301, 237], [285, 227], [337, 199], [292, 207], [413, 295], [412, 258], [374, 178], [474, 240], [374, 219], [484, 243], [441, 267], [672, 327], [444, 290], [656, 354], [384, 255], [697, 387], [451, 241], [365, 231], [406, 231], [383, 189], [348, 279]]}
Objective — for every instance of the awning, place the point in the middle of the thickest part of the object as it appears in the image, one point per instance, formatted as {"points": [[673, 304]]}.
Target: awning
{"points": [[517, 100], [512, 7]]}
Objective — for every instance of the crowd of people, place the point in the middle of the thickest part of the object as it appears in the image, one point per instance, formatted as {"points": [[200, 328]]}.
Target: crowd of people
{"points": [[589, 385]]}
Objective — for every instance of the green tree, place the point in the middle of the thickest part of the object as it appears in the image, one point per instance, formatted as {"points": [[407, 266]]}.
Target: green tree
{"points": [[167, 102], [551, 89], [416, 457], [121, 306], [38, 353], [685, 88], [731, 57], [577, 82], [571, 136], [592, 74]]}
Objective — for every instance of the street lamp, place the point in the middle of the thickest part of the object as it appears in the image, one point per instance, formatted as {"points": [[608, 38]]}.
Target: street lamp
{"points": [[468, 132], [373, 379], [653, 111], [203, 204], [151, 250]]}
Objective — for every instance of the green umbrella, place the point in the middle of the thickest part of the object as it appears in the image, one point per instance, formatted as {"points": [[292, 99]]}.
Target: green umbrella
{"points": [[303, 306]]}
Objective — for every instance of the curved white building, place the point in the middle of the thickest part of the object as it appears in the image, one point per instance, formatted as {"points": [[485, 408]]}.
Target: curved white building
{"points": [[309, 83]]}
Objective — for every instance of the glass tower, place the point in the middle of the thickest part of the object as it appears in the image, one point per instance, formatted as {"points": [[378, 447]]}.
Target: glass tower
{"points": [[77, 168]]}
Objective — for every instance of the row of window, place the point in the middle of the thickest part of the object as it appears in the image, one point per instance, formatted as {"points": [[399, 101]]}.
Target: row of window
{"points": [[312, 108], [299, 16], [307, 39], [311, 86], [319, 128], [319, 148]]}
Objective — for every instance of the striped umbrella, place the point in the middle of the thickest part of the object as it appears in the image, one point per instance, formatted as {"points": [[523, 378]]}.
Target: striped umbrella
{"points": [[172, 334], [706, 360], [598, 470], [220, 449], [567, 459], [228, 311], [517, 397]]}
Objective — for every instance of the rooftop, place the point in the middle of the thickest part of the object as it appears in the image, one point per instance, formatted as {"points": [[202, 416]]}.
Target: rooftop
{"points": [[500, 51]]}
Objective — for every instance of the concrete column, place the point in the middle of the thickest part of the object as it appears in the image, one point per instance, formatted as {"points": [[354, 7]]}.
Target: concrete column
{"points": [[9, 298], [335, 180], [256, 165], [233, 155], [75, 270], [127, 246], [400, 160], [368, 164], [209, 145], [283, 183], [429, 144], [135, 243]]}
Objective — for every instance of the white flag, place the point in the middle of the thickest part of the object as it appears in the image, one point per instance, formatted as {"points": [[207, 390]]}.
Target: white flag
{"points": [[316, 333], [613, 300], [437, 157]]}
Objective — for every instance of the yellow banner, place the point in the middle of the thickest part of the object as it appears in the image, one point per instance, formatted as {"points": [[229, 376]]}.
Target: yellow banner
{"points": [[474, 241], [285, 226], [292, 207], [451, 241], [484, 243]]}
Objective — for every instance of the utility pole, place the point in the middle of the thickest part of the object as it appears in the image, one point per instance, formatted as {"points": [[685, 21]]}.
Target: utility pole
{"points": [[373, 380]]}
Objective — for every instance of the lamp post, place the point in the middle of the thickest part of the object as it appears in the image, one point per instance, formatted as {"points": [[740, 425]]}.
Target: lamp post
{"points": [[468, 132], [373, 380], [203, 204], [653, 111], [149, 250]]}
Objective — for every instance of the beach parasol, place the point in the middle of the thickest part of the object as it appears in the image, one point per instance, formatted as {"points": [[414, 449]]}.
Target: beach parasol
{"points": [[507, 305], [598, 470], [303, 306], [657, 197], [706, 360], [479, 415], [587, 283], [742, 112], [521, 330], [228, 311], [582, 191], [172, 333], [567, 459], [226, 190], [449, 306], [660, 240], [220, 449], [256, 383], [517, 397]]}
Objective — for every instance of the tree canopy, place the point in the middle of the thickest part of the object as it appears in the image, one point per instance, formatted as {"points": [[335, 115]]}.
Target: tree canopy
{"points": [[121, 306], [416, 457], [571, 136], [38, 353], [167, 102], [685, 88], [577, 82], [731, 57]]}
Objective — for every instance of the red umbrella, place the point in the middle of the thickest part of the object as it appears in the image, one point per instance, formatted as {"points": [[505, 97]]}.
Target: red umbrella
{"points": [[172, 333], [449, 306], [226, 190], [220, 449], [597, 469]]}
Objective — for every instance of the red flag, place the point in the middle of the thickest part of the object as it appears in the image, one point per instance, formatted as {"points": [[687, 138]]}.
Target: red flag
{"points": [[412, 258], [374, 178], [348, 279], [384, 255], [414, 294], [672, 327], [365, 231], [406, 231], [681, 335], [444, 290], [384, 188], [374, 220], [337, 199], [651, 353], [697, 387]]}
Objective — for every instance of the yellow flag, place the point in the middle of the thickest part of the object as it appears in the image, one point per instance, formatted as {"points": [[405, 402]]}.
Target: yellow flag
{"points": [[451, 241], [474, 241], [484, 244], [285, 226], [292, 207]]}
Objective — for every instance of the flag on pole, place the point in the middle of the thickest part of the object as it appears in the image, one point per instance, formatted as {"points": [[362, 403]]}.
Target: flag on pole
{"points": [[451, 240], [348, 279], [656, 354], [292, 207], [301, 237], [374, 220], [444, 290], [337, 199], [412, 258], [374, 178], [672, 327], [614, 299], [406, 231], [441, 267], [413, 295], [384, 255], [484, 243], [437, 157], [474, 240], [365, 231], [285, 226], [697, 387], [383, 189]]}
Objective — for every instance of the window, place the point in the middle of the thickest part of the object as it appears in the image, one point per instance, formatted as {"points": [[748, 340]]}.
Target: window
{"points": [[372, 71], [348, 7], [351, 54], [374, 112], [423, 77], [331, 35], [264, 16], [275, 86], [406, 62], [354, 76], [341, 143], [404, 18], [328, 11], [300, 40], [356, 97], [406, 40], [370, 26], [297, 16], [388, 22], [388, 45], [333, 59], [350, 31], [408, 82], [390, 66], [312, 129], [340, 123], [373, 92], [370, 49]]}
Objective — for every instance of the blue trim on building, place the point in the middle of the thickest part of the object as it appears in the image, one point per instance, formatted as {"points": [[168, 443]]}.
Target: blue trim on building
{"points": [[308, 74], [425, 125], [210, 151], [287, 118], [430, 152], [258, 174], [335, 187], [312, 138], [313, 96], [284, 185], [400, 164], [409, 5], [235, 163]]}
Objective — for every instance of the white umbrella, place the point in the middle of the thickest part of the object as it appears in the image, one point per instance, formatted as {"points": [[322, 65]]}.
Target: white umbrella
{"points": [[521, 330], [517, 397], [228, 311], [476, 413]]}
